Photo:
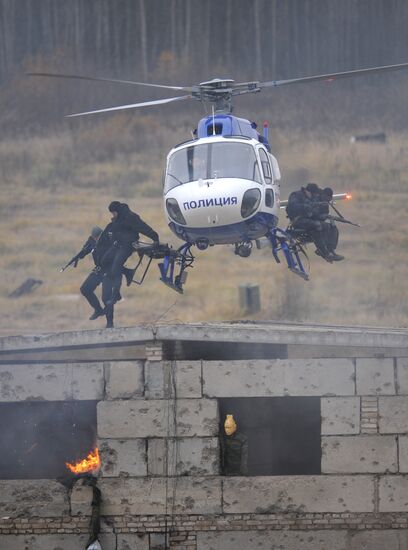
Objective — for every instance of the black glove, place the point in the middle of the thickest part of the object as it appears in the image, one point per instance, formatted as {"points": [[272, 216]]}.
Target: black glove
{"points": [[324, 208], [309, 209], [320, 209]]}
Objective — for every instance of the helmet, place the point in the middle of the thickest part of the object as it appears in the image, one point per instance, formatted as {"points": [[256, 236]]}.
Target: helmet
{"points": [[114, 206], [313, 188], [328, 192]]}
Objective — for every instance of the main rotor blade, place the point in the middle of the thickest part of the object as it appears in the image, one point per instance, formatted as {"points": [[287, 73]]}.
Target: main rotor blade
{"points": [[97, 79], [133, 106], [334, 76]]}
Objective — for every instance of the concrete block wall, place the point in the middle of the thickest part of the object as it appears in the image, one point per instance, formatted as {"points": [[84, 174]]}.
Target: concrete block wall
{"points": [[157, 428]]}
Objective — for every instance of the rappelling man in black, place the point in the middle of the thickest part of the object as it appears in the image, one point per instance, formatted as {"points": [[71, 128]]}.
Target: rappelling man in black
{"points": [[322, 199], [307, 211], [125, 228], [234, 450], [98, 243], [94, 279], [326, 195]]}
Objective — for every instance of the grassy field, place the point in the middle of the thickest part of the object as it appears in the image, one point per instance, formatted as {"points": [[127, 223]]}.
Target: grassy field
{"points": [[55, 187]]}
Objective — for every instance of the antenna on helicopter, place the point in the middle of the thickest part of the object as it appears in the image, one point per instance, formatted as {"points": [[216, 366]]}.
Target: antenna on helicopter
{"points": [[219, 91]]}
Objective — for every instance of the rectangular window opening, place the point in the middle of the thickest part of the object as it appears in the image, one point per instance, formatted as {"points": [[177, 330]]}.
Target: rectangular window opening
{"points": [[38, 438], [283, 435]]}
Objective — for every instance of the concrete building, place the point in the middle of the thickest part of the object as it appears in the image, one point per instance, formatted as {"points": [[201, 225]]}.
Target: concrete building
{"points": [[325, 411]]}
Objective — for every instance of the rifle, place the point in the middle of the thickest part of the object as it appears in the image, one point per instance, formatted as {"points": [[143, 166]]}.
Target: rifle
{"points": [[86, 249], [340, 217], [73, 260]]}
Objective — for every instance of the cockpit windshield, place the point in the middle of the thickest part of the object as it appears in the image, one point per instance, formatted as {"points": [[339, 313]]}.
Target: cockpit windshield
{"points": [[211, 161]]}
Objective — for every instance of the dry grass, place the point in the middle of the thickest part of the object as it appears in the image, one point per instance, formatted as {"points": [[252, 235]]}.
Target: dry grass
{"points": [[54, 188]]}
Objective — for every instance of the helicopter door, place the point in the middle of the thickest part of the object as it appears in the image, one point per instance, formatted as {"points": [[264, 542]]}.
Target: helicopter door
{"points": [[268, 178]]}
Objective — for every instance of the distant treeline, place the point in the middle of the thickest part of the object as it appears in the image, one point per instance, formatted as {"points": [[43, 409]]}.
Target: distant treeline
{"points": [[255, 39]]}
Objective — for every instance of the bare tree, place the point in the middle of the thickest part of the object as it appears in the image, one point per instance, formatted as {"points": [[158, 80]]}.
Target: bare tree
{"points": [[143, 39], [257, 37]]}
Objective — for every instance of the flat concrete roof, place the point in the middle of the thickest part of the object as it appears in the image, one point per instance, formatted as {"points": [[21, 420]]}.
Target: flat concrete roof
{"points": [[240, 332]]}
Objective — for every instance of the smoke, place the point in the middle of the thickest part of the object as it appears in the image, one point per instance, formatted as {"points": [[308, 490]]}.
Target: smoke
{"points": [[37, 438]]}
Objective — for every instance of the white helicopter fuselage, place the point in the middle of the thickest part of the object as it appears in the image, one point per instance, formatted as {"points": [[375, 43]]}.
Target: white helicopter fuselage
{"points": [[221, 190]]}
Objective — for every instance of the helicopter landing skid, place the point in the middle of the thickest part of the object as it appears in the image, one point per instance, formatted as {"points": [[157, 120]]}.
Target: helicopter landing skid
{"points": [[173, 267], [282, 241], [176, 261], [153, 252]]}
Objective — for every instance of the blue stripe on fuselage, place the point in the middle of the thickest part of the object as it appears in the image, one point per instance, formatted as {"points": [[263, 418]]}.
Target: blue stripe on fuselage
{"points": [[253, 228]]}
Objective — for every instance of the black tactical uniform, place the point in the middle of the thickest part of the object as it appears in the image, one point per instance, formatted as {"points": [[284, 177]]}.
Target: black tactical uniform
{"points": [[234, 454], [326, 195], [125, 230], [99, 275], [307, 214], [94, 279]]}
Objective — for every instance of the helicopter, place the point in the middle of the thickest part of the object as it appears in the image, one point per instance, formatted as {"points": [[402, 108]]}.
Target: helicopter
{"points": [[222, 186]]}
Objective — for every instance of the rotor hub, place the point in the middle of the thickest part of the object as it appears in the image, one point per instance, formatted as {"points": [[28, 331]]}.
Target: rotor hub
{"points": [[220, 91]]}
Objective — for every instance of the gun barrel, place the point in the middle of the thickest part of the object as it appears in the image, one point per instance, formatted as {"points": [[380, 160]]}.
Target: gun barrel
{"points": [[336, 197], [65, 266], [71, 261], [343, 220], [342, 197]]}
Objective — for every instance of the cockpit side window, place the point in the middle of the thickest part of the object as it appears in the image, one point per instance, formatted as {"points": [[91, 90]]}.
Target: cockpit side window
{"points": [[266, 167]]}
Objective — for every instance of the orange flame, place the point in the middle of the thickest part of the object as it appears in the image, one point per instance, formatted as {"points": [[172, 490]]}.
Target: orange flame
{"points": [[90, 463]]}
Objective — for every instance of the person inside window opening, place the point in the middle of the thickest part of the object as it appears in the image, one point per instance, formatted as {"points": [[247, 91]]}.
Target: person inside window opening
{"points": [[234, 449]]}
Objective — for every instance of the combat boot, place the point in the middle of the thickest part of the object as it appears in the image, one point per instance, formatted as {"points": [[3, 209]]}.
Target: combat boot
{"points": [[336, 257], [97, 313], [325, 255], [129, 274]]}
